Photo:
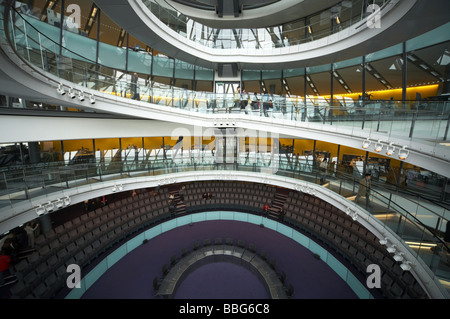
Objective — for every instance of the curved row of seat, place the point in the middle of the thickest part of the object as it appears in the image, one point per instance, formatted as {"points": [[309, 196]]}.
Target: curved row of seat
{"points": [[84, 238], [352, 241], [229, 193]]}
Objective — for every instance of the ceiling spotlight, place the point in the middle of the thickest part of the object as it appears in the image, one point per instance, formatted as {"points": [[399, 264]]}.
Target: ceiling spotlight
{"points": [[355, 216], [60, 89], [49, 206], [391, 249], [117, 188], [92, 99], [406, 265], [81, 96], [378, 147], [40, 210], [59, 203], [366, 143], [403, 153], [398, 256], [71, 94], [390, 149], [66, 200]]}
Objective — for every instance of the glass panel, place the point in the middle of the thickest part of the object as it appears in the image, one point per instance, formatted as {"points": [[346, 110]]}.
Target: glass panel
{"points": [[294, 32], [205, 86], [429, 66], [139, 61], [269, 74], [320, 24], [296, 85], [110, 32], [184, 70], [388, 52], [388, 72], [112, 56], [248, 75], [163, 66], [440, 34], [79, 48], [50, 32], [321, 82], [203, 74]]}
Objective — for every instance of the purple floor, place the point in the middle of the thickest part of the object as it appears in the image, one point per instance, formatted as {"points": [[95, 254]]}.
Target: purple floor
{"points": [[132, 276], [221, 280]]}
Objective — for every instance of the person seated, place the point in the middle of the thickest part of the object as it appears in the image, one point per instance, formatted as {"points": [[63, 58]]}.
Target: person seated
{"points": [[171, 199], [205, 196]]}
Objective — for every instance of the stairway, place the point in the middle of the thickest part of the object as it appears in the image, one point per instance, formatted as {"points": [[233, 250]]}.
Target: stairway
{"points": [[180, 207], [278, 202]]}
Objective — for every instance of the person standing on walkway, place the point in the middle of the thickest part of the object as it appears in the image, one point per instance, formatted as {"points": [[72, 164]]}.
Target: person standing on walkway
{"points": [[364, 189]]}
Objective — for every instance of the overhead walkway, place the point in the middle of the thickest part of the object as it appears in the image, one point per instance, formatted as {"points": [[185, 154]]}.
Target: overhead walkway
{"points": [[418, 130]]}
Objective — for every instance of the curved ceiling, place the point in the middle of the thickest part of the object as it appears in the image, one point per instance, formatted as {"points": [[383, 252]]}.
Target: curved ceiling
{"points": [[248, 13]]}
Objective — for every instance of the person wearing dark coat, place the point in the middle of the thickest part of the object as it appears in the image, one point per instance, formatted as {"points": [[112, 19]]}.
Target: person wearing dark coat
{"points": [[447, 233]]}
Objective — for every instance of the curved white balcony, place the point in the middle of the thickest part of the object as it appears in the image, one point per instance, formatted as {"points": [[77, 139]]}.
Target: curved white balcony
{"points": [[395, 17]]}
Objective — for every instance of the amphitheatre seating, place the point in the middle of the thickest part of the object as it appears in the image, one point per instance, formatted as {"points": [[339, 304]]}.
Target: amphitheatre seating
{"points": [[228, 195], [86, 237], [350, 240]]}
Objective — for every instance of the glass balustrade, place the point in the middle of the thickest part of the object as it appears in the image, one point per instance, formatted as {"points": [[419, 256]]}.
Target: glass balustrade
{"points": [[400, 119], [425, 119], [319, 25]]}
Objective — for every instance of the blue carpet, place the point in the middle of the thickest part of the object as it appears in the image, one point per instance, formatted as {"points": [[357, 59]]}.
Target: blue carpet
{"points": [[221, 280], [132, 276]]}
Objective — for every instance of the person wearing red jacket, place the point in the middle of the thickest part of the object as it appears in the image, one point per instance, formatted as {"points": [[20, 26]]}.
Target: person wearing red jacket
{"points": [[5, 261]]}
